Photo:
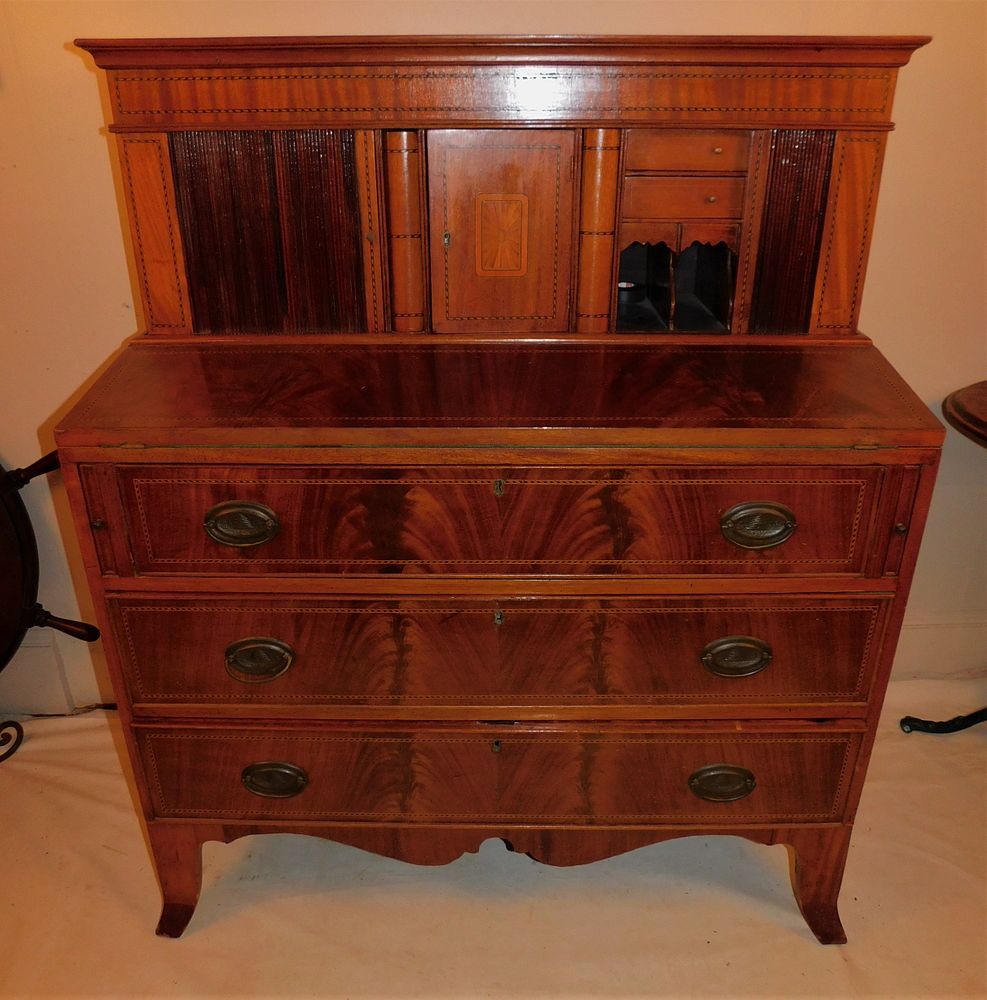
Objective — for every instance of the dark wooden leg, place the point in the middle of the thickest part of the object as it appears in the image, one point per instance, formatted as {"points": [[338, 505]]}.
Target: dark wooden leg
{"points": [[817, 872], [177, 853]]}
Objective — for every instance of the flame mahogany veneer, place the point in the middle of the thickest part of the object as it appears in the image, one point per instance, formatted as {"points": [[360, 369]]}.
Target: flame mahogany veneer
{"points": [[396, 541]]}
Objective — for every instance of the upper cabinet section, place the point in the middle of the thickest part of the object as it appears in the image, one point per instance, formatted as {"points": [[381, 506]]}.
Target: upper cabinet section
{"points": [[504, 186], [256, 230]]}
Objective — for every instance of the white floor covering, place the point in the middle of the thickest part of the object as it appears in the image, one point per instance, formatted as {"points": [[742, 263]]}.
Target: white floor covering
{"points": [[298, 917]]}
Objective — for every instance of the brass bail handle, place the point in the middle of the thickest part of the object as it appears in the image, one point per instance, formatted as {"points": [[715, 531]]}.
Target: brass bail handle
{"points": [[274, 779], [758, 524], [241, 524], [722, 783], [736, 656], [258, 659]]}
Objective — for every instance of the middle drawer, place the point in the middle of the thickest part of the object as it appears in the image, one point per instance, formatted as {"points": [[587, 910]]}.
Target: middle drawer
{"points": [[479, 657]]}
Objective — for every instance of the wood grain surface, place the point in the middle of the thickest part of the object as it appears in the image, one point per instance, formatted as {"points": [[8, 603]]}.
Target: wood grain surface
{"points": [[651, 394], [501, 215], [376, 81], [688, 150], [499, 520], [470, 653], [554, 776]]}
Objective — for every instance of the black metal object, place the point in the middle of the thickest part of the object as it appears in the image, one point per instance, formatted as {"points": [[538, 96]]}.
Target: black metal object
{"points": [[910, 724], [11, 735], [19, 575]]}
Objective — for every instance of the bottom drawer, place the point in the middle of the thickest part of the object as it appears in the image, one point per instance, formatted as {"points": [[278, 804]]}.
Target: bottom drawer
{"points": [[484, 773]]}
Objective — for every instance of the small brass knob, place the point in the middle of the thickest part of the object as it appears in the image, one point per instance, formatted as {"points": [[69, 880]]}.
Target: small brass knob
{"points": [[717, 150], [711, 199]]}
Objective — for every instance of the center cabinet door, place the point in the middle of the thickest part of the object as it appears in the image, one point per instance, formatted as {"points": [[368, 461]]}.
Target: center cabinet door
{"points": [[501, 228]]}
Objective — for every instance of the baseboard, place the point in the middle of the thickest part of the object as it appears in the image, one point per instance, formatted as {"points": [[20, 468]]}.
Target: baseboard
{"points": [[34, 682], [954, 648]]}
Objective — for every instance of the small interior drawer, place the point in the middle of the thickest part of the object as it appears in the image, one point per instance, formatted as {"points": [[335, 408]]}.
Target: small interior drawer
{"points": [[683, 198], [660, 149], [503, 773]]}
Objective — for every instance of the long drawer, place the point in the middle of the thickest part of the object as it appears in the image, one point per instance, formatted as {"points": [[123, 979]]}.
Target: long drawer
{"points": [[564, 775], [263, 651], [276, 520]]}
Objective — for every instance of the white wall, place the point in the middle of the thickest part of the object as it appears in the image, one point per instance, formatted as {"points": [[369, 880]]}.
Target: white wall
{"points": [[67, 296]]}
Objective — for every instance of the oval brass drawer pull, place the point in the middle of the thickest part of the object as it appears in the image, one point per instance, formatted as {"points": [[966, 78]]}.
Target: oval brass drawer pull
{"points": [[758, 525], [272, 779], [722, 782], [257, 659], [241, 523], [736, 656]]}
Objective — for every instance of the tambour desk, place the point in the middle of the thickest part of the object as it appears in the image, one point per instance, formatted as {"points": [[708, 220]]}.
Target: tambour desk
{"points": [[499, 456]]}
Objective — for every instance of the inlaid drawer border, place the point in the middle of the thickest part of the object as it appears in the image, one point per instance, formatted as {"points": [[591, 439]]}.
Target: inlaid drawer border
{"points": [[861, 485], [832, 815], [874, 609]]}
